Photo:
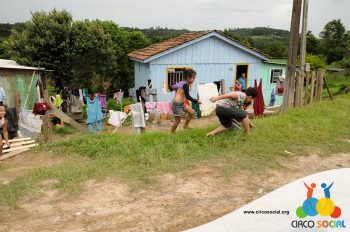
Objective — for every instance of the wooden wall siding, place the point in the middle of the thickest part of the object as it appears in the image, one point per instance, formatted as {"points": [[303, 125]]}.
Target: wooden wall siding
{"points": [[142, 74], [267, 86], [212, 59]]}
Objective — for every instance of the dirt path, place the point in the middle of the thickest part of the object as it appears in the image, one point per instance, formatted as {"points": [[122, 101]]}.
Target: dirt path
{"points": [[178, 202]]}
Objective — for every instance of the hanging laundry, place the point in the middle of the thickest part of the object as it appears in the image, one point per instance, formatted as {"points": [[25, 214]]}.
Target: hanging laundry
{"points": [[150, 106], [2, 94], [81, 96], [164, 107], [103, 104], [205, 92], [259, 105], [132, 93], [94, 114], [75, 104], [41, 108], [118, 97], [273, 98], [280, 85], [116, 117], [151, 93], [57, 100]]}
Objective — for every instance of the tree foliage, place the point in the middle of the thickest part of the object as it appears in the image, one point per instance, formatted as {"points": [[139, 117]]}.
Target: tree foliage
{"points": [[80, 53], [335, 40]]}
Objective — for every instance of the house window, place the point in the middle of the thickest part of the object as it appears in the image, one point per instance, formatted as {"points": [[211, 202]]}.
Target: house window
{"points": [[275, 73], [174, 76]]}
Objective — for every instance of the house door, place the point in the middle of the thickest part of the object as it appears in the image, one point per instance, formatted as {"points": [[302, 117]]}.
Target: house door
{"points": [[242, 70]]}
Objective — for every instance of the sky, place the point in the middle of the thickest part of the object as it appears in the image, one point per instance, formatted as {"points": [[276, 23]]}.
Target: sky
{"points": [[188, 14]]}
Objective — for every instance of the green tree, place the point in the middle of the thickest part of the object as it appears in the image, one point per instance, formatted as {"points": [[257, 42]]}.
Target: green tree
{"points": [[44, 42], [276, 49], [335, 40], [90, 54], [313, 44]]}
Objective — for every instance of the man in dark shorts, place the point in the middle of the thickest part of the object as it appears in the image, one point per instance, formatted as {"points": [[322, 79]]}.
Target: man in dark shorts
{"points": [[231, 107]]}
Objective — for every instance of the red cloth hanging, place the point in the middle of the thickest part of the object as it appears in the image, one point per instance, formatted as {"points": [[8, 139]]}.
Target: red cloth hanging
{"points": [[259, 105]]}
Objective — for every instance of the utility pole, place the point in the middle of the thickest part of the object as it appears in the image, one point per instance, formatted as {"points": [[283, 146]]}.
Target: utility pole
{"points": [[288, 96], [303, 35]]}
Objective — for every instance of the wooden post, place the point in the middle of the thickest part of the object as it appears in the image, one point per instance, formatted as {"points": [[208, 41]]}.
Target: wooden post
{"points": [[297, 89], [303, 35], [292, 55], [313, 77], [320, 84], [329, 92], [317, 84], [223, 86], [47, 126], [302, 88], [307, 85]]}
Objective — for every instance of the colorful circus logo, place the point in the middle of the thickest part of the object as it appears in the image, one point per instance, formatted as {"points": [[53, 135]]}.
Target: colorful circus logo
{"points": [[323, 206]]}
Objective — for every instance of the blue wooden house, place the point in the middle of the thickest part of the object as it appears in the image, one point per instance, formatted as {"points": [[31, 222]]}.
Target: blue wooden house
{"points": [[212, 55]]}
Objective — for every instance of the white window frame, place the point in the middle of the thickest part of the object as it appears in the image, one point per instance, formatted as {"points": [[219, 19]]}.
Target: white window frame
{"points": [[274, 76]]}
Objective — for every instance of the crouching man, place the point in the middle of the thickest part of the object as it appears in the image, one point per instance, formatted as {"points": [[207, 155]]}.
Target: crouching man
{"points": [[231, 108]]}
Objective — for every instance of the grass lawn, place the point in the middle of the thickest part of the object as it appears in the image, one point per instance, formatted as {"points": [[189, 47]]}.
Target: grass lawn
{"points": [[323, 127]]}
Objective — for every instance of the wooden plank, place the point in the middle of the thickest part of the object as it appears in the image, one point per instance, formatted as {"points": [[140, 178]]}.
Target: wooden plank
{"points": [[61, 115], [21, 143], [20, 148], [329, 92], [313, 77], [18, 139], [12, 154], [223, 86]]}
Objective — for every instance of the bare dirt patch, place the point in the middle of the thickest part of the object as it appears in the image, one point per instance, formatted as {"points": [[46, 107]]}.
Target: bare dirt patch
{"points": [[177, 202]]}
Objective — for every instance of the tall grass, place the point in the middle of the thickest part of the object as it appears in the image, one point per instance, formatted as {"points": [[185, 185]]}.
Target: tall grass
{"points": [[137, 159]]}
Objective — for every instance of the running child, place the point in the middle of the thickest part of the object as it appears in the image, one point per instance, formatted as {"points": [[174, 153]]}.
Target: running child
{"points": [[182, 93]]}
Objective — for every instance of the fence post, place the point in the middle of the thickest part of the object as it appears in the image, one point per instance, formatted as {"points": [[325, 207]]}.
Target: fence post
{"points": [[312, 87], [307, 85], [320, 82], [302, 89]]}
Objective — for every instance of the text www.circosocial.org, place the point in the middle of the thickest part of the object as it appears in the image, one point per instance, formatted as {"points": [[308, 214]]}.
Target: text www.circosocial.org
{"points": [[285, 212]]}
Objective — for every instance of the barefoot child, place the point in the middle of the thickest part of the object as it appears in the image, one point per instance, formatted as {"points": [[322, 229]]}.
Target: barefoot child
{"points": [[230, 108], [3, 128], [182, 93]]}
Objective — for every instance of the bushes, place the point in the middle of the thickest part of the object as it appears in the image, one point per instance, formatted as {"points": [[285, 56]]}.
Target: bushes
{"points": [[315, 62], [113, 105]]}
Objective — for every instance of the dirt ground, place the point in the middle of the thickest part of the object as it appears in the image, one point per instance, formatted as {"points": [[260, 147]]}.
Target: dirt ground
{"points": [[178, 202]]}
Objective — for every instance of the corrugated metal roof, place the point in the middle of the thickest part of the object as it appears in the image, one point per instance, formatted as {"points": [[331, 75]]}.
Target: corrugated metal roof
{"points": [[11, 64]]}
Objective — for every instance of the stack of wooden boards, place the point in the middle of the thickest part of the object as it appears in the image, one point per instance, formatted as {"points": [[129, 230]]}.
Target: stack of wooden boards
{"points": [[18, 146]]}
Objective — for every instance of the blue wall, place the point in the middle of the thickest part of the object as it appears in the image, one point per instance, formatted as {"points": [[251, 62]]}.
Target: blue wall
{"points": [[267, 86], [212, 58]]}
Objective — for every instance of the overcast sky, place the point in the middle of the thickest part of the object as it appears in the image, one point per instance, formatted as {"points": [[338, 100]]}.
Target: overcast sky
{"points": [[189, 14]]}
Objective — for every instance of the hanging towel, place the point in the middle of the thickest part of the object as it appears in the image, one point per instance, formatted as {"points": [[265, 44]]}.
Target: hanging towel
{"points": [[75, 104], [81, 96], [164, 107], [116, 117], [205, 92], [150, 106]]}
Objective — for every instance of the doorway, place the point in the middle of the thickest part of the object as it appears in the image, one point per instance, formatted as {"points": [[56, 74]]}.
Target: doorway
{"points": [[240, 69]]}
